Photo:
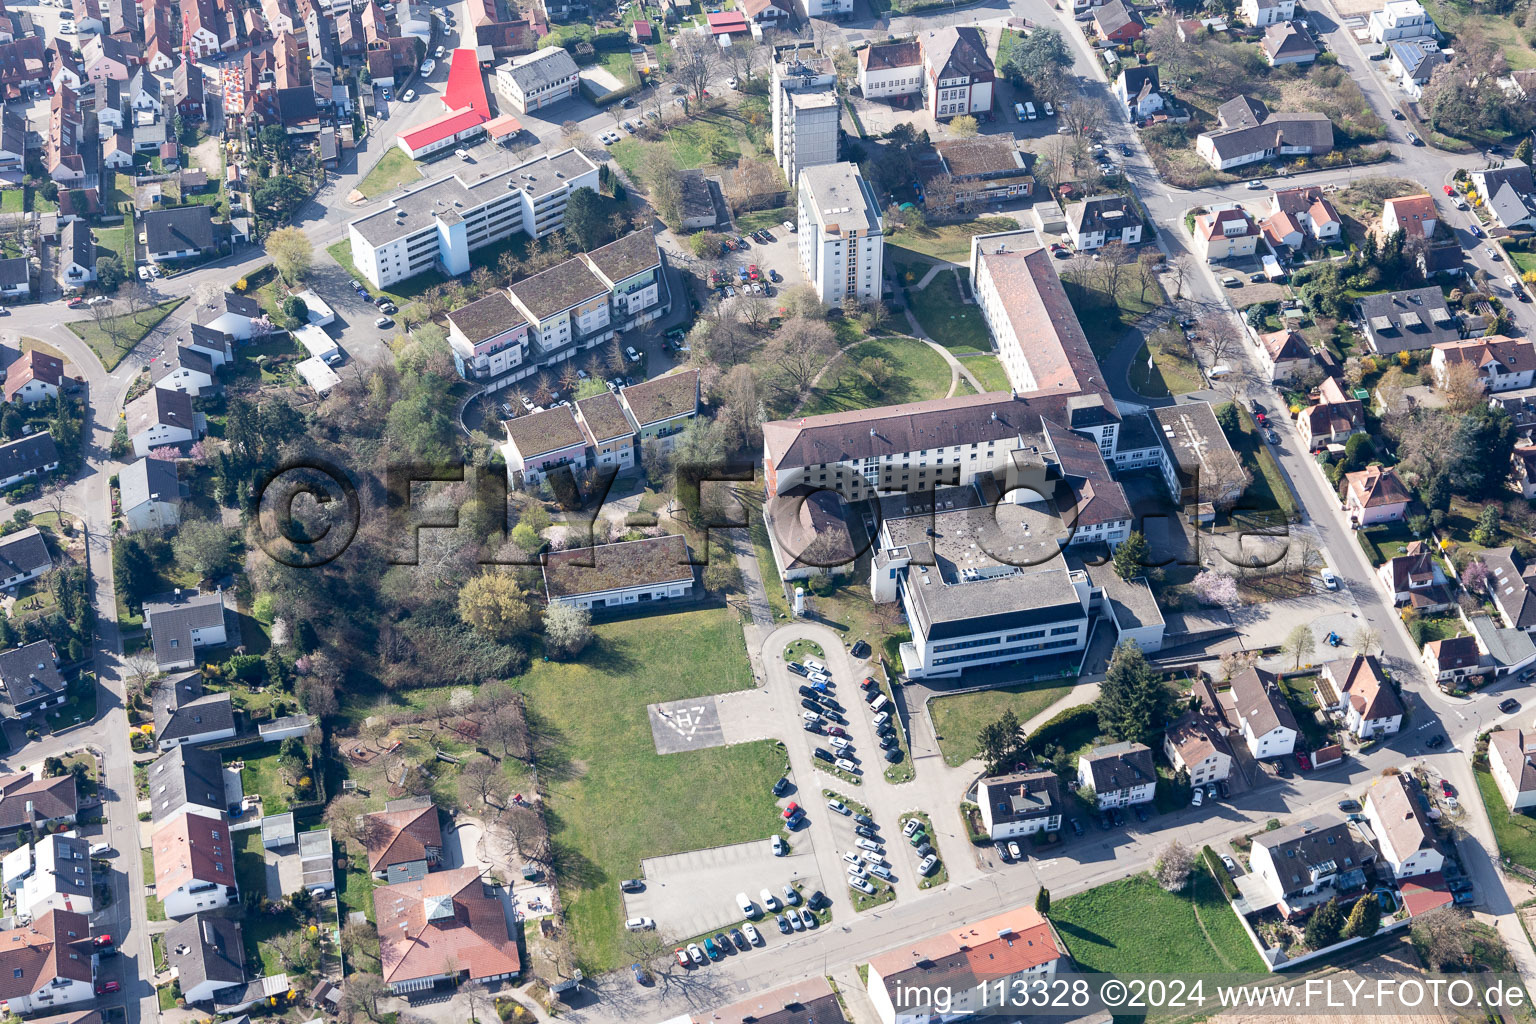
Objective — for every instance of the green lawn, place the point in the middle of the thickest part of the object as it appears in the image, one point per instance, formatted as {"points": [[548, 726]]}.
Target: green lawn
{"points": [[12, 200], [1298, 693], [612, 798], [716, 137], [917, 373], [957, 720], [156, 910], [1168, 373], [1105, 317], [408, 289], [1269, 491], [261, 776], [989, 371], [946, 317], [393, 170], [771, 220], [134, 326], [951, 242], [1500, 29], [79, 705], [1514, 832], [1134, 927], [120, 241], [354, 886]]}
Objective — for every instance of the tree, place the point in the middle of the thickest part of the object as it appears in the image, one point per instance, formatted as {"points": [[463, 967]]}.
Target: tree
{"points": [[587, 219], [1038, 56], [694, 60], [1523, 150], [1325, 925], [296, 310], [1483, 445], [1487, 530], [1217, 588], [1131, 556], [1444, 937], [567, 630], [496, 605], [1227, 417], [1133, 699], [358, 939], [964, 126], [1043, 901], [1174, 862], [291, 252], [1475, 576], [798, 351], [998, 740], [361, 994], [109, 272], [1364, 918], [1299, 643], [705, 244], [1462, 385], [1366, 640], [204, 546]]}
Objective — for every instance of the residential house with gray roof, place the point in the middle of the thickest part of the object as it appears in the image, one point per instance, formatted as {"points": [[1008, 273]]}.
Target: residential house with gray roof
{"points": [[1119, 774], [1305, 863], [1509, 193], [186, 621], [1248, 132], [206, 954], [1263, 716], [23, 556], [30, 680], [185, 714], [1019, 804], [1099, 220], [187, 780], [28, 456], [149, 494], [1411, 320]]}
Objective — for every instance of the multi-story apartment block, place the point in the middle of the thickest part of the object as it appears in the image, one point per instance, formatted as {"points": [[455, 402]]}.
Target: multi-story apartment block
{"points": [[842, 236], [805, 110], [438, 226]]}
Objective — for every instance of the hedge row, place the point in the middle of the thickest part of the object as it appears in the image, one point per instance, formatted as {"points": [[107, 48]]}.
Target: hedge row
{"points": [[1220, 873], [1063, 723]]}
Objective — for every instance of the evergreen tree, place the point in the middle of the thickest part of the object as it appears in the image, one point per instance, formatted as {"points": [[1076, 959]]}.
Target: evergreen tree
{"points": [[1043, 901], [1325, 925], [1133, 699], [1131, 556], [1364, 918]]}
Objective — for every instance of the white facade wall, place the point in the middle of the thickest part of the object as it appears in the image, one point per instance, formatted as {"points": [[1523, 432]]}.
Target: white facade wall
{"points": [[57, 993], [183, 901], [621, 596], [883, 82], [158, 435], [1416, 862], [1515, 800]]}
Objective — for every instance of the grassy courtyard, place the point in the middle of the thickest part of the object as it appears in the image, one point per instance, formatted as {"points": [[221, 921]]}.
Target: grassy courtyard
{"points": [[957, 720], [113, 338], [951, 242], [945, 315], [1134, 927], [910, 371], [612, 798], [989, 372], [392, 171]]}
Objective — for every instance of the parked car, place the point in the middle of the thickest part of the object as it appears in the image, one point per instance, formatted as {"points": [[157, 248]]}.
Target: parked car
{"points": [[1228, 863], [783, 924], [863, 885], [1077, 827], [632, 885], [383, 323], [1509, 705], [798, 669], [1330, 579], [839, 807], [640, 924], [108, 987], [696, 954], [1435, 742], [752, 935], [1013, 850], [779, 849], [1414, 139], [769, 900], [1349, 805], [928, 865], [847, 765], [1198, 799], [408, 95]]}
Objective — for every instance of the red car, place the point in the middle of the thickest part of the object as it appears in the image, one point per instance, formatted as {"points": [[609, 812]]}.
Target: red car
{"points": [[101, 940], [792, 810], [1448, 190], [682, 956], [752, 271], [869, 681], [1263, 420], [1446, 788], [1303, 762], [108, 987], [75, 303]]}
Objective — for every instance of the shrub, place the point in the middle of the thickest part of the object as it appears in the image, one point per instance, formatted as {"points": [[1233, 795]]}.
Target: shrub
{"points": [[1063, 723]]}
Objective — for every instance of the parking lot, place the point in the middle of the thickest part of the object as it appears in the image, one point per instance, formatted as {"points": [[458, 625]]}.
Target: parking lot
{"points": [[695, 892]]}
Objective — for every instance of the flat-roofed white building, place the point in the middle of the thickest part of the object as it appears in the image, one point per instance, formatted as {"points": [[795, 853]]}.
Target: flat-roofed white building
{"points": [[440, 224], [842, 236]]}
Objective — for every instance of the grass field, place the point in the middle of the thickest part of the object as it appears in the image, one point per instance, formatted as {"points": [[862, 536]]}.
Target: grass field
{"points": [[392, 171], [1104, 317], [1269, 491], [917, 373], [1134, 927], [773, 220], [947, 318], [716, 137], [989, 371], [612, 798], [261, 776], [1514, 832], [134, 326], [1169, 373], [950, 242], [1457, 18], [959, 719], [120, 241], [12, 200]]}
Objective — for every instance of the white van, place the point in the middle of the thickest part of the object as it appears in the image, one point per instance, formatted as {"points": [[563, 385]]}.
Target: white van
{"points": [[1029, 111], [1018, 110], [815, 666], [748, 908], [879, 703]]}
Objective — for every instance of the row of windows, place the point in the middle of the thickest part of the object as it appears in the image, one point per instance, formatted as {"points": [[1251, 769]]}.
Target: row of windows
{"points": [[1025, 649]]}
